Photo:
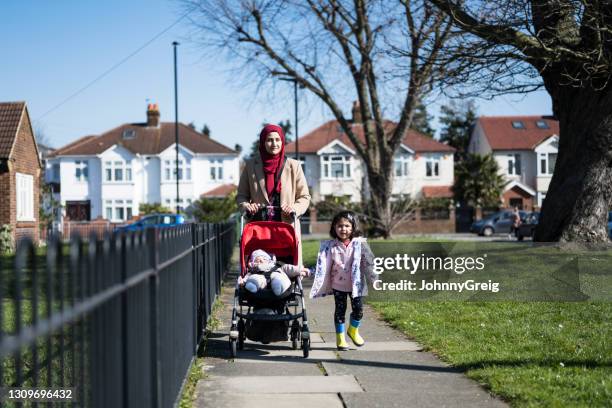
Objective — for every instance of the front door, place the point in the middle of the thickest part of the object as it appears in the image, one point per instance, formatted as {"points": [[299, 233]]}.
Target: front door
{"points": [[516, 202], [78, 210]]}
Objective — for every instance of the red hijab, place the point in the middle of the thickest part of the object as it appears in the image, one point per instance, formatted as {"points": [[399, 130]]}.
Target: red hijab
{"points": [[272, 164]]}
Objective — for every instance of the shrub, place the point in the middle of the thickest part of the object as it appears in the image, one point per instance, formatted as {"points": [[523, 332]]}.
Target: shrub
{"points": [[7, 244]]}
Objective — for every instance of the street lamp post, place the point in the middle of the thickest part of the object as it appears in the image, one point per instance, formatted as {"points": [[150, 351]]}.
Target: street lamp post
{"points": [[176, 129]]}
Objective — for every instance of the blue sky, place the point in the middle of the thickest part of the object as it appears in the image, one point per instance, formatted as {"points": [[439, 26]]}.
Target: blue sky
{"points": [[52, 49]]}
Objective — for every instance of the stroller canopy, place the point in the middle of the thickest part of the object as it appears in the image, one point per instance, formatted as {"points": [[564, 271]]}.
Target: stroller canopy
{"points": [[274, 237]]}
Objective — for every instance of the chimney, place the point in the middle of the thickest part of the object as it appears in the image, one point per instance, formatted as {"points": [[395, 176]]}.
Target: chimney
{"points": [[356, 113], [152, 115]]}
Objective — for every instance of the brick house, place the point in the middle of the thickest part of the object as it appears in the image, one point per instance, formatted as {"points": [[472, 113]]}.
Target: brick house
{"points": [[422, 166], [20, 171], [525, 149]]}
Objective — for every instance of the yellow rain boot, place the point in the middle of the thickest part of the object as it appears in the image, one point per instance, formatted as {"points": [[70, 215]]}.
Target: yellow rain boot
{"points": [[353, 333], [340, 341]]}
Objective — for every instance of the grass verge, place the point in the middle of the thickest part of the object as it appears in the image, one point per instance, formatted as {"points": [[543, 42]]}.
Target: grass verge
{"points": [[531, 354]]}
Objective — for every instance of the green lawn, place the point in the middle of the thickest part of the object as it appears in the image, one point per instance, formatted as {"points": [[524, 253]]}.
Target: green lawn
{"points": [[530, 353]]}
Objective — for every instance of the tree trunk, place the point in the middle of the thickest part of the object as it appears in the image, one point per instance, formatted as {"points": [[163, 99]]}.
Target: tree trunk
{"points": [[580, 192], [380, 191]]}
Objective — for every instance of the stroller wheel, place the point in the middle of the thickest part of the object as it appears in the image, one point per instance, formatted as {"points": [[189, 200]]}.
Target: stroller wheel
{"points": [[306, 347], [241, 334], [295, 335], [232, 348]]}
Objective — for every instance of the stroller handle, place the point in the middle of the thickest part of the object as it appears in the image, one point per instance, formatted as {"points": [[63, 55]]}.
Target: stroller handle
{"points": [[293, 214]]}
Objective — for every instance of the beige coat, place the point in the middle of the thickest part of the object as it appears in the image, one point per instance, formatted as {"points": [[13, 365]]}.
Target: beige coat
{"points": [[294, 190]]}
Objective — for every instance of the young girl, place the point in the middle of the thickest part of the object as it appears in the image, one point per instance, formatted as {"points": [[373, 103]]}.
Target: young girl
{"points": [[342, 265]]}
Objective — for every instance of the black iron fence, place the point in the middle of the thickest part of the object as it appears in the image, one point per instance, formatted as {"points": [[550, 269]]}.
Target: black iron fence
{"points": [[118, 320]]}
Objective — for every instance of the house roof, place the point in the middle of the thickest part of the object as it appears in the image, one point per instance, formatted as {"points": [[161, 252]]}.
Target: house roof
{"points": [[501, 135], [10, 117], [146, 140], [221, 191], [313, 141], [517, 184], [437, 191]]}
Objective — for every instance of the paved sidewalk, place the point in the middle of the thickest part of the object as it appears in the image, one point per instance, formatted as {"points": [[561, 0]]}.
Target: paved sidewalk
{"points": [[389, 371]]}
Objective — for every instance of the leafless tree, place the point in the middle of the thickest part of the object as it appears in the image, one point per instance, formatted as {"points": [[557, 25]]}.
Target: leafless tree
{"points": [[566, 47], [383, 53]]}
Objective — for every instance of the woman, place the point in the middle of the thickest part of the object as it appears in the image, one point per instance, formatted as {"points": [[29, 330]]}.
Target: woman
{"points": [[271, 179]]}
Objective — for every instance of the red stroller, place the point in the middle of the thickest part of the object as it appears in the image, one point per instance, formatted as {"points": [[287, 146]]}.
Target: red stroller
{"points": [[263, 316]]}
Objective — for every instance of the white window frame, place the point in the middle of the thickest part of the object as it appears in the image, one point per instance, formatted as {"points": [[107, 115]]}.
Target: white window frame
{"points": [[169, 169], [112, 166], [435, 169], [113, 207], [326, 166], [514, 164], [81, 170], [545, 158], [24, 188], [404, 162], [216, 170]]}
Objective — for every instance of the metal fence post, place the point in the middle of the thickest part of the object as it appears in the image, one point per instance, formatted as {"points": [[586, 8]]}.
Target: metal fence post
{"points": [[153, 242], [194, 284]]}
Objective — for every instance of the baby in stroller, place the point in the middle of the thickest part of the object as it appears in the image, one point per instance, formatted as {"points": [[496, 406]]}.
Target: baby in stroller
{"points": [[263, 267]]}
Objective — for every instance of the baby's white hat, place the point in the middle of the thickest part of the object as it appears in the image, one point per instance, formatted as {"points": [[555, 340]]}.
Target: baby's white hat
{"points": [[262, 253]]}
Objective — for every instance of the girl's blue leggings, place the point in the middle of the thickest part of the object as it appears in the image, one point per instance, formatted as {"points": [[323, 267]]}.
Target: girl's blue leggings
{"points": [[340, 312]]}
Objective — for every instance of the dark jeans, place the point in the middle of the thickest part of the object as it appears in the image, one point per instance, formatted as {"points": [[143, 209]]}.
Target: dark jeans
{"points": [[340, 312]]}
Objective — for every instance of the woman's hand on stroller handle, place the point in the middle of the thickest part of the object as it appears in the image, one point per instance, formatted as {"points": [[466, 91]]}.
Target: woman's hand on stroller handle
{"points": [[253, 208]]}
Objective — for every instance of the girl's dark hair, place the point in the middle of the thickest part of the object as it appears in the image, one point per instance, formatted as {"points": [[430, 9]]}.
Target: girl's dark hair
{"points": [[351, 217]]}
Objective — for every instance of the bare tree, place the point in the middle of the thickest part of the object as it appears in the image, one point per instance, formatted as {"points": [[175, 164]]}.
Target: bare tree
{"points": [[381, 53], [566, 47]]}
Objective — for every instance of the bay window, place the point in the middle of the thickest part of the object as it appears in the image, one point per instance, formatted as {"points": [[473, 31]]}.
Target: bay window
{"points": [[432, 167], [81, 170], [336, 167], [118, 171], [118, 210], [216, 170], [514, 164], [547, 163], [184, 170]]}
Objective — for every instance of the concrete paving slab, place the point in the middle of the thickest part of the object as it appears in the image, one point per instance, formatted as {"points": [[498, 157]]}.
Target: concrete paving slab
{"points": [[316, 338], [271, 400], [254, 367], [290, 384], [373, 346], [397, 373], [272, 356], [419, 400]]}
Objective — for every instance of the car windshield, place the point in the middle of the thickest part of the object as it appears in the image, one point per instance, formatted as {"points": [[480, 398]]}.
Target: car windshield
{"points": [[610, 216]]}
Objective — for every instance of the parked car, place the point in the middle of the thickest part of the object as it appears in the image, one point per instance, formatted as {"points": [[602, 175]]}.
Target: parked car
{"points": [[528, 225], [610, 224], [498, 223], [153, 220]]}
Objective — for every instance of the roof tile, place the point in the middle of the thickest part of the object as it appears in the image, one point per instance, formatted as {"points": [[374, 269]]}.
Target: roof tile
{"points": [[146, 140], [10, 116], [501, 135]]}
